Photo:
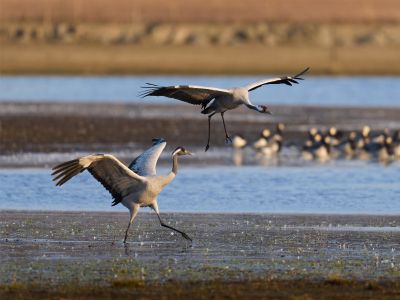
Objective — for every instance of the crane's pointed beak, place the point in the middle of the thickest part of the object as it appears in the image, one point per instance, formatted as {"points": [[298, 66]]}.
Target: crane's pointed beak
{"points": [[190, 153], [267, 111], [264, 109]]}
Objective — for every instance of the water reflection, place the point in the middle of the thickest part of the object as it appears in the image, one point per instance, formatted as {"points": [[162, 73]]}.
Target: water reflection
{"points": [[237, 157]]}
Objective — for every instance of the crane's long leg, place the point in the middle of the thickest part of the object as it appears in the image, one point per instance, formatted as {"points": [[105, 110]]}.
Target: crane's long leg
{"points": [[227, 137], [209, 131], [155, 207], [133, 211]]}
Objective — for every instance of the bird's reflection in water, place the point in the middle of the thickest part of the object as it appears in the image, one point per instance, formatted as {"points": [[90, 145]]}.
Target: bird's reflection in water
{"points": [[267, 161], [237, 157], [238, 145]]}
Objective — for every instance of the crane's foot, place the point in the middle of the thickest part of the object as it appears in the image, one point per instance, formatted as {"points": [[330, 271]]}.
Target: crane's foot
{"points": [[207, 147], [126, 237], [186, 236], [228, 140]]}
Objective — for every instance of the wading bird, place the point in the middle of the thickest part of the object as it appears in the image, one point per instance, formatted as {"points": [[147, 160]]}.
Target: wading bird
{"points": [[216, 100], [238, 142], [134, 186]]}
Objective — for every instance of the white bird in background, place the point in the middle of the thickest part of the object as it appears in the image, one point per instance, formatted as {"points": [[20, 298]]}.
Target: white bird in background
{"points": [[134, 186], [216, 100], [238, 142], [262, 141]]}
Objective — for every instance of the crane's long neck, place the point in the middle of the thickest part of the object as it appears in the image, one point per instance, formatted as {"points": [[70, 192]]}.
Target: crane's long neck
{"points": [[253, 107], [174, 164], [166, 179]]}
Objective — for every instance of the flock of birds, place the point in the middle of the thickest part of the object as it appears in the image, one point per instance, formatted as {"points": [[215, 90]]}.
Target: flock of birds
{"points": [[327, 144]]}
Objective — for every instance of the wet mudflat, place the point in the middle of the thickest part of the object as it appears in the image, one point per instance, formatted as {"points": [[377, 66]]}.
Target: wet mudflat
{"points": [[67, 127], [73, 254]]}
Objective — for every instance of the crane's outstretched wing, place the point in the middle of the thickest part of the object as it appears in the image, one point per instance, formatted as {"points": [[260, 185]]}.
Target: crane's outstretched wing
{"points": [[188, 93], [285, 80], [117, 178], [145, 164]]}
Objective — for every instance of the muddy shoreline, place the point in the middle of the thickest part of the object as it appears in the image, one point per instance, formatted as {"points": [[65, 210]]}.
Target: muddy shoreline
{"points": [[47, 127], [81, 255]]}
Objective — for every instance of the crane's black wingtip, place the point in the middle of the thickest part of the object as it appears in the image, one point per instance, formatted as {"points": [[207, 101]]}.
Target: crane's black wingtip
{"points": [[304, 71], [143, 95], [301, 73], [148, 92], [149, 89]]}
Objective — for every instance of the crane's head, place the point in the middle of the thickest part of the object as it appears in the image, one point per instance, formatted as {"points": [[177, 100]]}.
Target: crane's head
{"points": [[266, 133], [366, 130], [264, 109], [280, 126], [181, 151]]}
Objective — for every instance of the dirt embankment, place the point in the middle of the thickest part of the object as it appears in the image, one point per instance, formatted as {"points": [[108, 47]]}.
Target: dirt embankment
{"points": [[222, 37], [267, 34], [60, 126], [197, 11], [202, 48]]}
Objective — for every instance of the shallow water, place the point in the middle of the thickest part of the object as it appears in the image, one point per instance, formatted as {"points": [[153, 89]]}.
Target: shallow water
{"points": [[338, 188], [324, 90], [63, 247]]}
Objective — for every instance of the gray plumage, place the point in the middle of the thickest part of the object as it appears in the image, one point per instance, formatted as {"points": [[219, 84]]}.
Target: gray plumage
{"points": [[216, 100], [145, 164], [134, 186]]}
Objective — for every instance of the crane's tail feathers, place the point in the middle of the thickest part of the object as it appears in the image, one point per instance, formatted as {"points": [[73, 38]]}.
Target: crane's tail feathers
{"points": [[207, 110], [66, 171]]}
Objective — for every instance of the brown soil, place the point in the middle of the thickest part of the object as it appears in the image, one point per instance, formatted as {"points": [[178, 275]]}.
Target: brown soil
{"points": [[195, 10], [63, 126], [301, 289], [23, 58]]}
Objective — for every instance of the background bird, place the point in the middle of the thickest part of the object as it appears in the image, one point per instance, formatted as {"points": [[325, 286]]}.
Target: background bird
{"points": [[273, 147], [135, 186], [263, 140], [396, 144], [216, 100], [238, 141]]}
